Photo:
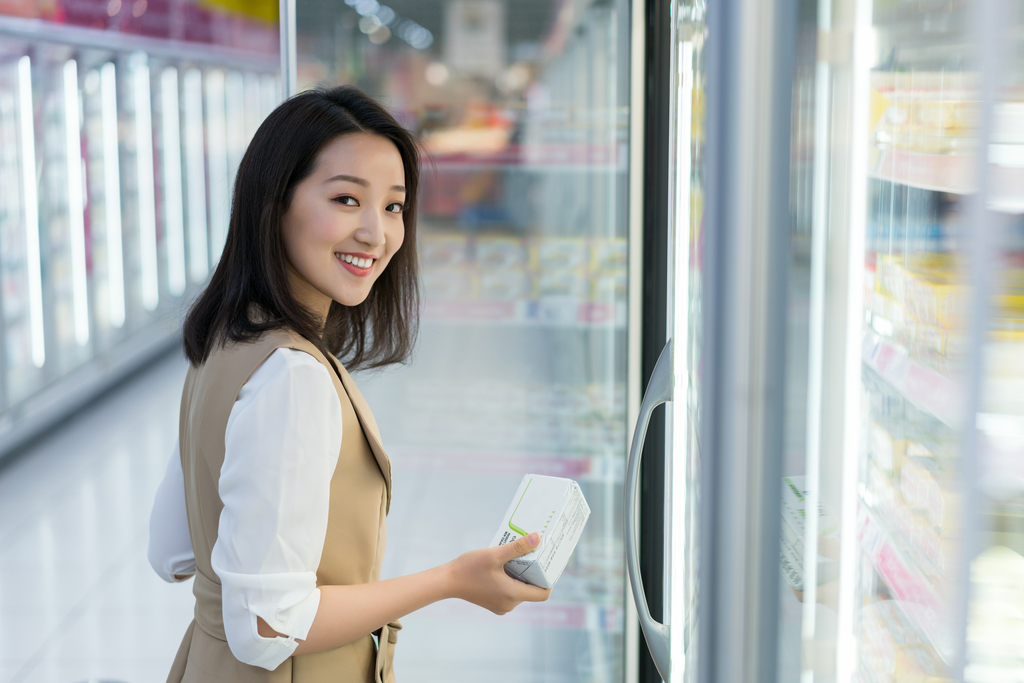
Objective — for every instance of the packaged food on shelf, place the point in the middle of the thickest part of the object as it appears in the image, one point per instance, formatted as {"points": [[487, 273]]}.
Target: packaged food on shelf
{"points": [[891, 650], [927, 489], [505, 284], [926, 112], [500, 252], [887, 451], [563, 283], [934, 299], [450, 283], [609, 255], [559, 253], [608, 288], [444, 249]]}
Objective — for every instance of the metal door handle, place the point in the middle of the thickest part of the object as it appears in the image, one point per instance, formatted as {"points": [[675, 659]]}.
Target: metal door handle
{"points": [[659, 390]]}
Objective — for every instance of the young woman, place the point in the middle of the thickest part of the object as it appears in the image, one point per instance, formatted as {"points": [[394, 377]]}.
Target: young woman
{"points": [[277, 499]]}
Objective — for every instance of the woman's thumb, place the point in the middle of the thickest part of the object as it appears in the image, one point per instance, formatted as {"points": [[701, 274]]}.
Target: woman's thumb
{"points": [[523, 545]]}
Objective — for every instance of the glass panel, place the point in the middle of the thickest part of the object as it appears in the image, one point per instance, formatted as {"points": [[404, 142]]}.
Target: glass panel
{"points": [[914, 381], [520, 368], [921, 96]]}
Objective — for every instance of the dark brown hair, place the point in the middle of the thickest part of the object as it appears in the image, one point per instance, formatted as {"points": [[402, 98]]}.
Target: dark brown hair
{"points": [[249, 294]]}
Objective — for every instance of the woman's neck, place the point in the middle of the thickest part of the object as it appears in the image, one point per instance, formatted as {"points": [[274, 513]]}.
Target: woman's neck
{"points": [[309, 296]]}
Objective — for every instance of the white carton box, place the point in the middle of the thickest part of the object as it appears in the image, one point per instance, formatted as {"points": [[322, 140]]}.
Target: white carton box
{"points": [[794, 514], [555, 508]]}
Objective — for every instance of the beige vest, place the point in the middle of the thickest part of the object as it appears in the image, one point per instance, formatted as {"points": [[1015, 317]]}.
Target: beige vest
{"points": [[356, 526]]}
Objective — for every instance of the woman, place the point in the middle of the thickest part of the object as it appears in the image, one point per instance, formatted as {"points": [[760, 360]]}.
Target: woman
{"points": [[277, 500]]}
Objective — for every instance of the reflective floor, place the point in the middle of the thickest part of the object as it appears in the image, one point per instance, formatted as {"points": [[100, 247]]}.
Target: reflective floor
{"points": [[78, 600]]}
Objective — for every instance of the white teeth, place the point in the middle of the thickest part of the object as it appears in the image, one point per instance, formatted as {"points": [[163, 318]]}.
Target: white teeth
{"points": [[355, 260]]}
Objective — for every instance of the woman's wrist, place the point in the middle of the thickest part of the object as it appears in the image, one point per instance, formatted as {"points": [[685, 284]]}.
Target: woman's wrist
{"points": [[446, 581]]}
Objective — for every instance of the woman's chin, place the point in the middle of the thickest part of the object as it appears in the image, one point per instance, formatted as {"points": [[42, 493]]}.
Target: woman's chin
{"points": [[351, 298]]}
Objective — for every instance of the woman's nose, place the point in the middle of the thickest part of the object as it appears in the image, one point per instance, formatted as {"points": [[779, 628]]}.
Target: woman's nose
{"points": [[371, 232]]}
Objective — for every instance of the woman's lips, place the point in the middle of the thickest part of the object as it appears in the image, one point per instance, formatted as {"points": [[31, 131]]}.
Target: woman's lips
{"points": [[358, 272]]}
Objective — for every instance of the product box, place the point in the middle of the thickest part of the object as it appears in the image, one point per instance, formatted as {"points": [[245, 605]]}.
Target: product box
{"points": [[443, 250], [500, 252], [554, 507], [559, 253], [793, 530]]}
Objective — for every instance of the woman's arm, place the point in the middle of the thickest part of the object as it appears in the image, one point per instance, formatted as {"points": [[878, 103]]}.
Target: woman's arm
{"points": [[170, 546], [347, 613]]}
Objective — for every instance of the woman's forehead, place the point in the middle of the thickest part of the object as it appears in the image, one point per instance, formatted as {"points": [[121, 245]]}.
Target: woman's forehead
{"points": [[369, 157]]}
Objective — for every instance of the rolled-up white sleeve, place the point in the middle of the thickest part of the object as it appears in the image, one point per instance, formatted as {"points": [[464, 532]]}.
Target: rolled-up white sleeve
{"points": [[170, 546], [281, 447]]}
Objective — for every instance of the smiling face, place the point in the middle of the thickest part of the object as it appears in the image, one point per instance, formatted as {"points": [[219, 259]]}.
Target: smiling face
{"points": [[345, 222]]}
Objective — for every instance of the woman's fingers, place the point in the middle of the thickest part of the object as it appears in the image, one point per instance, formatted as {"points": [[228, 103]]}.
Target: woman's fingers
{"points": [[519, 547], [534, 593]]}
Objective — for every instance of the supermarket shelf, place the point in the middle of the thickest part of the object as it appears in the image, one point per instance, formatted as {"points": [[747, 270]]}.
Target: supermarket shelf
{"points": [[527, 313], [954, 173], [38, 30], [583, 468], [545, 157], [927, 389], [918, 599]]}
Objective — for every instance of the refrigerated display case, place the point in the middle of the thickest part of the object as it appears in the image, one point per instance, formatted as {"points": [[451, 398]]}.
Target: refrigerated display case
{"points": [[521, 360], [906, 492], [107, 211], [927, 488]]}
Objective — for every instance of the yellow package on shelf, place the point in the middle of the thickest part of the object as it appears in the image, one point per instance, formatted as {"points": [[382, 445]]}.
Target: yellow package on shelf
{"points": [[888, 452], [561, 253], [935, 301], [500, 252]]}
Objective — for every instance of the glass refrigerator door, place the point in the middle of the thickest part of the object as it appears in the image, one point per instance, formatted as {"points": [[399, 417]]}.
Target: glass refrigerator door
{"points": [[914, 456], [676, 378], [523, 111]]}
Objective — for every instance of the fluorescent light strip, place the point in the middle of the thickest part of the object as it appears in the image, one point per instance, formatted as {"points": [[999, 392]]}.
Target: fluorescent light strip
{"points": [[220, 184], [253, 109], [195, 177], [268, 94], [28, 178], [144, 171], [112, 193], [173, 212], [849, 551], [76, 203], [679, 588], [234, 91]]}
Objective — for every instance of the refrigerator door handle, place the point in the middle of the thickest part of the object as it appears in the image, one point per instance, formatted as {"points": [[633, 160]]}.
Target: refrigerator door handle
{"points": [[659, 390]]}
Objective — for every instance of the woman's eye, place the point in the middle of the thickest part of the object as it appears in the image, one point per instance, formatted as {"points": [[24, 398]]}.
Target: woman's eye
{"points": [[347, 200], [396, 207]]}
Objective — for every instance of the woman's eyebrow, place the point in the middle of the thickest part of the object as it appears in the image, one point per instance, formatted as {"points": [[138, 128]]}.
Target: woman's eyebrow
{"points": [[359, 181]]}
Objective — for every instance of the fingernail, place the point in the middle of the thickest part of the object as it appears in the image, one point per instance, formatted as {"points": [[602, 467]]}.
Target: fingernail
{"points": [[533, 539]]}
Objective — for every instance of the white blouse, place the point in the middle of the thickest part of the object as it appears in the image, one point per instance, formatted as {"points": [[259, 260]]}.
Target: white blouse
{"points": [[281, 447]]}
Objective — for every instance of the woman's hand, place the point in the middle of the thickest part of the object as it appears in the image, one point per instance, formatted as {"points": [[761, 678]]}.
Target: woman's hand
{"points": [[479, 577]]}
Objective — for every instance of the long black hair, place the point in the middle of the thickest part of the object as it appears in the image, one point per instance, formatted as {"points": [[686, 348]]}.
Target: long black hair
{"points": [[249, 294]]}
